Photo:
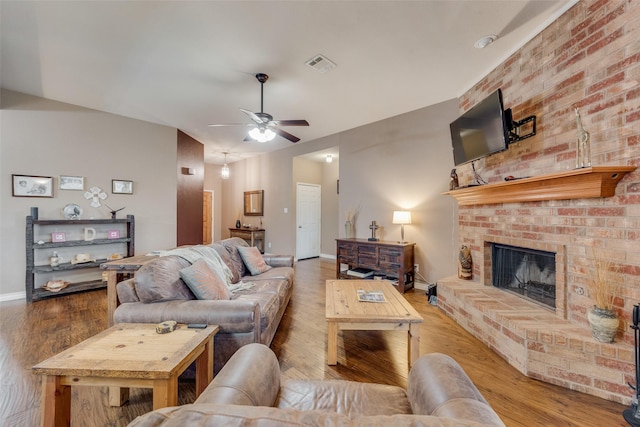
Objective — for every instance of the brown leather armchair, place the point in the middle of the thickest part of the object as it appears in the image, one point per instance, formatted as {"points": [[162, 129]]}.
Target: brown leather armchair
{"points": [[248, 391]]}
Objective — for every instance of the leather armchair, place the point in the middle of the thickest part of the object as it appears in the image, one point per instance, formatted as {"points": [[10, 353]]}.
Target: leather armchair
{"points": [[248, 390]]}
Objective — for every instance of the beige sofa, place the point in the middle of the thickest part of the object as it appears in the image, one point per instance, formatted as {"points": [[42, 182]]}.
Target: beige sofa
{"points": [[157, 293], [247, 391]]}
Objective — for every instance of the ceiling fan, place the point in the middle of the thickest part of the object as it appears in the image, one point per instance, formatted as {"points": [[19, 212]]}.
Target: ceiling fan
{"points": [[264, 127]]}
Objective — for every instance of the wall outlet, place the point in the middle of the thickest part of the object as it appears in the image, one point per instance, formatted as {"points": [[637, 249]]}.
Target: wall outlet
{"points": [[416, 267], [269, 245]]}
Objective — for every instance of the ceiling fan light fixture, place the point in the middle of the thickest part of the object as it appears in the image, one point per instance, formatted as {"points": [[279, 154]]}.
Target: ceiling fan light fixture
{"points": [[262, 134]]}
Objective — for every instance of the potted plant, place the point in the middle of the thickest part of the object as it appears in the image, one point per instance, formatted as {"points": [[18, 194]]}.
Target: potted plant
{"points": [[604, 284]]}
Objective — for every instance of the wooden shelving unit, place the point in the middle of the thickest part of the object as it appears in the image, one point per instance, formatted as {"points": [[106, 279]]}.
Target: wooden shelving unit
{"points": [[584, 183], [34, 233]]}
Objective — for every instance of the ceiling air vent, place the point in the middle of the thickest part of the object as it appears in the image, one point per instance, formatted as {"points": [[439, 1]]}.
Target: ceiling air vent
{"points": [[321, 64]]}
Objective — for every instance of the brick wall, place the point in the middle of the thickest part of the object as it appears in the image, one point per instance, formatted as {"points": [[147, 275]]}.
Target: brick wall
{"points": [[589, 58]]}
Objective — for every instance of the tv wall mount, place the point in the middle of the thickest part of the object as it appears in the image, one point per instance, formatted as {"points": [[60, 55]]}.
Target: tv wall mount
{"points": [[516, 128]]}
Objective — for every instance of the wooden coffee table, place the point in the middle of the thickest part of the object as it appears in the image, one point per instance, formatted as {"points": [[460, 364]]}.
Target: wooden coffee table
{"points": [[345, 312], [126, 355]]}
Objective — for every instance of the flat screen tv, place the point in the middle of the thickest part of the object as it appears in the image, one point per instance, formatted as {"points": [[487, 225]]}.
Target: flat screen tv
{"points": [[480, 131]]}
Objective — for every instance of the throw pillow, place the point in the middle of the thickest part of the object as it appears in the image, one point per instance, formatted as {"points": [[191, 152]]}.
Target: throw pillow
{"points": [[253, 260], [160, 280], [204, 283]]}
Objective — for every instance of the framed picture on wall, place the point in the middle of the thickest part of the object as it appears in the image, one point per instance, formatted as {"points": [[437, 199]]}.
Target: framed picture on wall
{"points": [[66, 182], [119, 186], [32, 186]]}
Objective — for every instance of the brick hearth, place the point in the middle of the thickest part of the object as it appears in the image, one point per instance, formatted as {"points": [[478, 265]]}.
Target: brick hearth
{"points": [[537, 343]]}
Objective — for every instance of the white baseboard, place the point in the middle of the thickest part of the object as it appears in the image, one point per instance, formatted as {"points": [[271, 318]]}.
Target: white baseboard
{"points": [[13, 296], [328, 256]]}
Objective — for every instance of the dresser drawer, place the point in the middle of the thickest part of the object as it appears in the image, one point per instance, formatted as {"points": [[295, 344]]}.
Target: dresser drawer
{"points": [[347, 253]]}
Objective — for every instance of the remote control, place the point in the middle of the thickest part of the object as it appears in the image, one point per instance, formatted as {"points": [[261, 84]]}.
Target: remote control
{"points": [[197, 325]]}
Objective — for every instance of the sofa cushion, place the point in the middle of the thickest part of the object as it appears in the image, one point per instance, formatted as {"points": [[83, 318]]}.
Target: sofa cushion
{"points": [[231, 245], [253, 260], [204, 283], [348, 398], [226, 258], [160, 280]]}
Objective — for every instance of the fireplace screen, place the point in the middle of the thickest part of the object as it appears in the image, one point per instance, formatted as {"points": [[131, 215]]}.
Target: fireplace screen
{"points": [[527, 272]]}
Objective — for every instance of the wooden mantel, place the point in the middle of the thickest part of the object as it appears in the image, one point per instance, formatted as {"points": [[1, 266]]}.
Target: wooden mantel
{"points": [[584, 183]]}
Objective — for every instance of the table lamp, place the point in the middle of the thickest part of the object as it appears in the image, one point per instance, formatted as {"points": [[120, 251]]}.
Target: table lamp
{"points": [[402, 218]]}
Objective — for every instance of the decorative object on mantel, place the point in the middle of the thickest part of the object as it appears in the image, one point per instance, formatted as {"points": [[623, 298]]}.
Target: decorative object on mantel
{"points": [[453, 184], [465, 263], [373, 228], [583, 151], [238, 224], [604, 286], [95, 194]]}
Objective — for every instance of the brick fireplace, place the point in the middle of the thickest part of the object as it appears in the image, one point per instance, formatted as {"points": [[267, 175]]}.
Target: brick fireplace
{"points": [[588, 58]]}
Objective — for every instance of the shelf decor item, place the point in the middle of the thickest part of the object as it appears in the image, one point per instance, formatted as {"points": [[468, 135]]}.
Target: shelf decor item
{"points": [[72, 211], [32, 186], [57, 237]]}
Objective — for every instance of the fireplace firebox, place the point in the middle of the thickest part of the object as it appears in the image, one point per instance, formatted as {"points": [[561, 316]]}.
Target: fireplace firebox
{"points": [[530, 273]]}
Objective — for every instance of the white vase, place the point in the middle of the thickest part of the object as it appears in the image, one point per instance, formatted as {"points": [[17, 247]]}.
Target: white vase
{"points": [[604, 324], [347, 229]]}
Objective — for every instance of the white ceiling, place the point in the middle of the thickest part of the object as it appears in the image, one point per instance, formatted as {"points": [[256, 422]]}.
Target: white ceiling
{"points": [[186, 64]]}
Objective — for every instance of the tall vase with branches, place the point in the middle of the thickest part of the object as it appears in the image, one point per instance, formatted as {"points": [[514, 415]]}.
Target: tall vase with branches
{"points": [[604, 285], [350, 222]]}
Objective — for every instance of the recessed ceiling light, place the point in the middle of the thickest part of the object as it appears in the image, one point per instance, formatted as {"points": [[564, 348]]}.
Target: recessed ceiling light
{"points": [[485, 41]]}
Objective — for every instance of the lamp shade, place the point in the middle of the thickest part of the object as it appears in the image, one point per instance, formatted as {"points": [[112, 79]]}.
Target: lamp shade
{"points": [[402, 217]]}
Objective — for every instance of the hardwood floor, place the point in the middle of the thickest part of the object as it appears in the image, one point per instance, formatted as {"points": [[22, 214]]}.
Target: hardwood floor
{"points": [[34, 332]]}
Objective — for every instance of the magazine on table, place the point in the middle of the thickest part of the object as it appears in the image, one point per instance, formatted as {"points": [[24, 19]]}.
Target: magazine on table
{"points": [[370, 296]]}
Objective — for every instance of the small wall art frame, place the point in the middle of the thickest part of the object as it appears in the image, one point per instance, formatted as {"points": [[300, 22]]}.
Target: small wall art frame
{"points": [[67, 182], [31, 186], [119, 186]]}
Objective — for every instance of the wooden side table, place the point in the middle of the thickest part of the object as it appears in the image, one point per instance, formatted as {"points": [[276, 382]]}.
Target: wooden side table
{"points": [[126, 355], [253, 236], [117, 268]]}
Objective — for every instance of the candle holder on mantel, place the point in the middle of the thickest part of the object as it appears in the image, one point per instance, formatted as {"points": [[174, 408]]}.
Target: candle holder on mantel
{"points": [[373, 228]]}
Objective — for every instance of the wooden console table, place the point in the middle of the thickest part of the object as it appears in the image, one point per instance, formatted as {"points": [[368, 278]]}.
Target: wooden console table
{"points": [[392, 259], [253, 236]]}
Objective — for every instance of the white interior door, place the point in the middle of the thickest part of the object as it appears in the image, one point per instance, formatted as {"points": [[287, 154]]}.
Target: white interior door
{"points": [[308, 197]]}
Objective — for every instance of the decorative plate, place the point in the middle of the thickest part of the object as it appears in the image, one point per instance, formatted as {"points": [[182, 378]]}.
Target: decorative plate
{"points": [[72, 211]]}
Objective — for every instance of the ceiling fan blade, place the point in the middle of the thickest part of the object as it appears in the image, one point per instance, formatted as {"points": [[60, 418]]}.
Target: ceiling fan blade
{"points": [[286, 135], [253, 116], [290, 122]]}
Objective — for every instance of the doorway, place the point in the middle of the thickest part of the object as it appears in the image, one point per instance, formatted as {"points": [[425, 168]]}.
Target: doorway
{"points": [[308, 203], [207, 217]]}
